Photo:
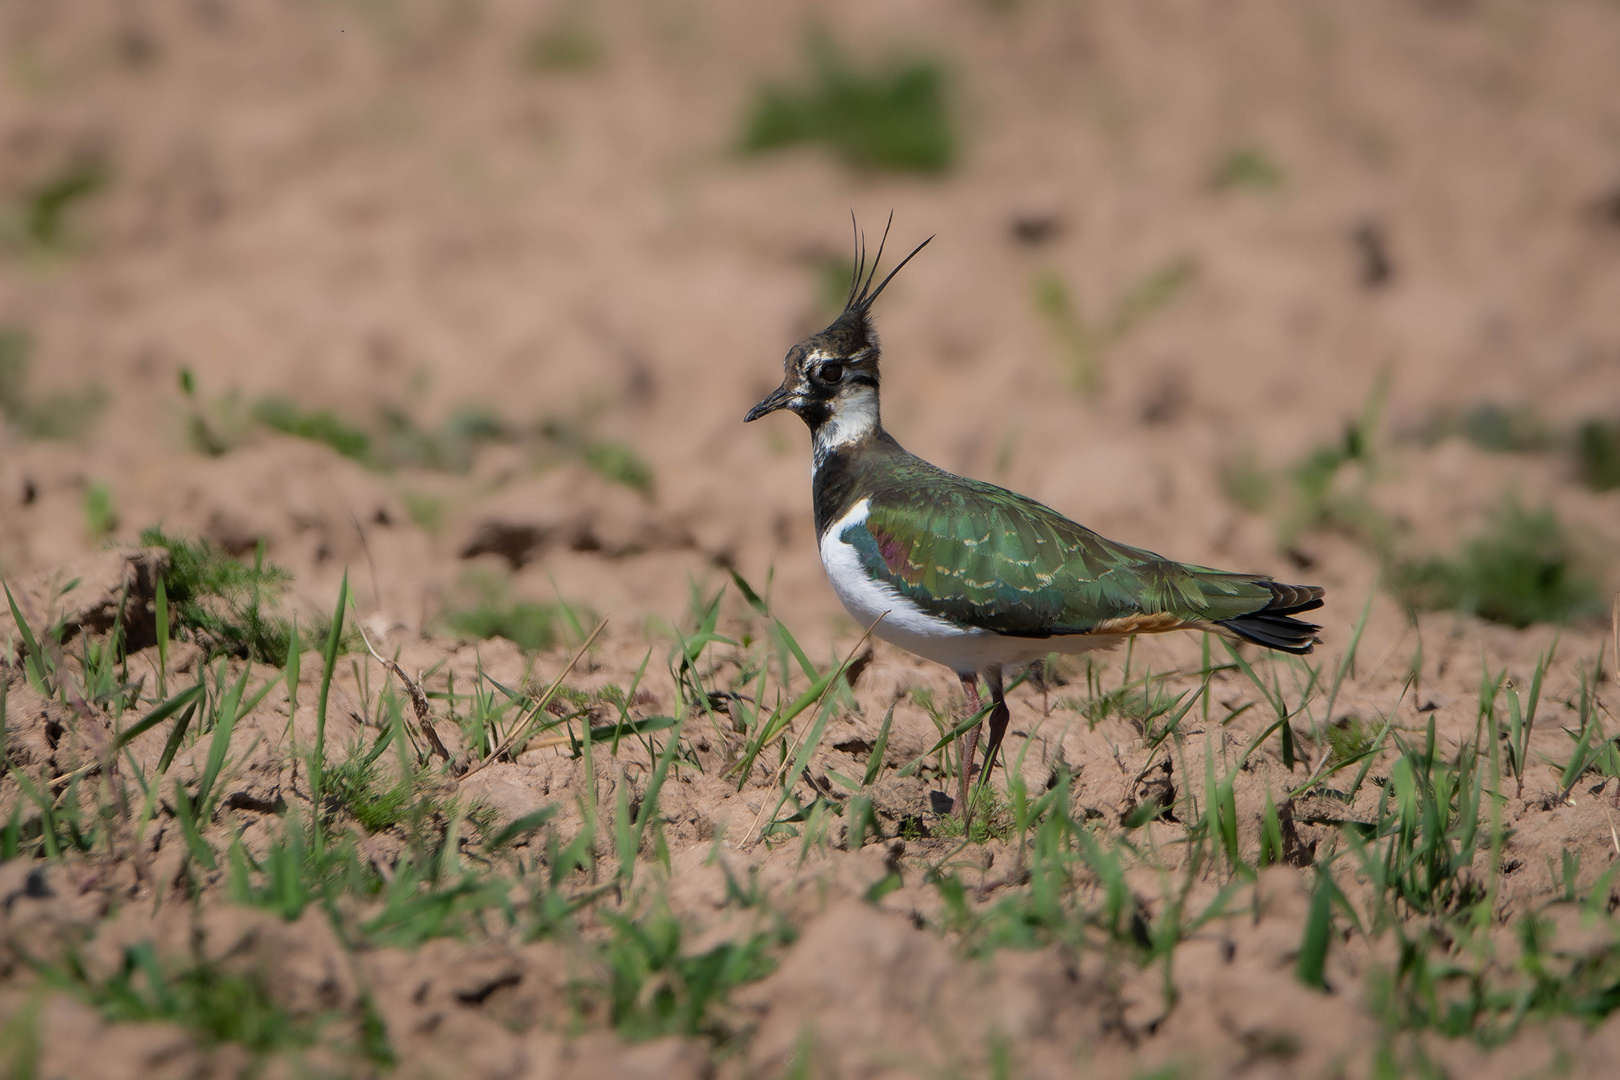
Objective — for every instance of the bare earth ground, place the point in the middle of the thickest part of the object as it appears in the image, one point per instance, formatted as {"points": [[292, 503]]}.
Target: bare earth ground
{"points": [[372, 206]]}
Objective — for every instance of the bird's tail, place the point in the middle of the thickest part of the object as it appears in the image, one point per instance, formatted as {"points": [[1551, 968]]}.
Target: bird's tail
{"points": [[1273, 625]]}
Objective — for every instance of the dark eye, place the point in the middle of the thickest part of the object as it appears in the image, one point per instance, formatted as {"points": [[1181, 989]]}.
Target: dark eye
{"points": [[830, 372]]}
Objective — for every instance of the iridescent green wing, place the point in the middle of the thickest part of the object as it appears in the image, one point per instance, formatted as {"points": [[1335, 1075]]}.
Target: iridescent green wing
{"points": [[980, 555]]}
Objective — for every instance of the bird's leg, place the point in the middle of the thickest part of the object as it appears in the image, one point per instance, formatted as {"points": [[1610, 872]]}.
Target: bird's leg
{"points": [[998, 717], [970, 742]]}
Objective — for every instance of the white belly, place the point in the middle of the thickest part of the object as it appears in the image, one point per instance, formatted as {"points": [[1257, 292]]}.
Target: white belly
{"points": [[965, 650]]}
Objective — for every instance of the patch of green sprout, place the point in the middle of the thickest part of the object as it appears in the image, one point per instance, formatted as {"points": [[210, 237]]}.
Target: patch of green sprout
{"points": [[992, 818], [612, 460], [1349, 738], [219, 1005], [222, 603], [47, 209], [1249, 168], [1504, 430], [67, 414], [1246, 483], [1139, 703], [1328, 488], [530, 626], [569, 44], [493, 612], [360, 787], [1522, 569], [622, 465], [213, 428], [427, 511], [1597, 454], [1086, 343], [321, 426], [100, 515], [403, 442], [656, 987], [895, 118]]}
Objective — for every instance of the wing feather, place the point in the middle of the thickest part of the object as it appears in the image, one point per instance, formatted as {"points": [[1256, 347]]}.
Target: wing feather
{"points": [[983, 556]]}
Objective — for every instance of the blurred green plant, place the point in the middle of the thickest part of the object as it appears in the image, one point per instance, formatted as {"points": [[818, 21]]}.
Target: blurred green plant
{"points": [[1086, 343], [223, 604], [1330, 487], [570, 43], [100, 515], [884, 119], [66, 414], [1597, 454], [214, 427], [360, 787], [220, 1005], [1491, 426], [492, 612], [322, 426], [1521, 569], [46, 209], [1247, 167], [613, 460], [428, 511]]}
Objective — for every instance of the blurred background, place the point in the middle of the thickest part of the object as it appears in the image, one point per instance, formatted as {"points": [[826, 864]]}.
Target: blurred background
{"points": [[469, 296]]}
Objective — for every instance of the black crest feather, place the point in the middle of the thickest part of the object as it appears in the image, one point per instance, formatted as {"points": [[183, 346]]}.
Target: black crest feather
{"points": [[861, 294]]}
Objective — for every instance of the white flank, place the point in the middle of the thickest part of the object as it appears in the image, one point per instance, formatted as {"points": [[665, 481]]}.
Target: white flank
{"points": [[965, 650]]}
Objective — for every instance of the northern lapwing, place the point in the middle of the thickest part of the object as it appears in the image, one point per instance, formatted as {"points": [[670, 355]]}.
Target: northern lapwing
{"points": [[974, 576]]}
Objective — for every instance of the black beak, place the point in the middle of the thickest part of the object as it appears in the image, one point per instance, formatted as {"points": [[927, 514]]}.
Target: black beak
{"points": [[776, 399]]}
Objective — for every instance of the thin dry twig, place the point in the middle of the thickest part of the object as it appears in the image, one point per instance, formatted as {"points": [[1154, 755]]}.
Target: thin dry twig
{"points": [[419, 701], [519, 733]]}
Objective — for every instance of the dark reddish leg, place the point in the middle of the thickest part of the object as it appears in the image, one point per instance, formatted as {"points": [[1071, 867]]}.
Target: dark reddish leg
{"points": [[970, 743], [998, 717]]}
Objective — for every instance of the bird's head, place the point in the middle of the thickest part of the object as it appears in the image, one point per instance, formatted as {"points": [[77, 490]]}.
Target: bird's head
{"points": [[830, 379]]}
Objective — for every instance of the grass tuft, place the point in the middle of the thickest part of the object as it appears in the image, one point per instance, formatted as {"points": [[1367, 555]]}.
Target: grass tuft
{"points": [[1250, 168], [570, 44], [47, 209], [219, 1005], [614, 461], [322, 426], [1521, 570], [493, 613], [223, 604], [67, 414], [1086, 342], [358, 787], [100, 515], [884, 119], [1597, 454]]}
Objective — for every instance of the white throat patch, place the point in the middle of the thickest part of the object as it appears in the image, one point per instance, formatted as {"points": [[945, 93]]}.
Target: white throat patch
{"points": [[855, 416]]}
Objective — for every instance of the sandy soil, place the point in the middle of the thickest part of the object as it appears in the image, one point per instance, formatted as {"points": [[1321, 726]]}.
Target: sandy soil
{"points": [[369, 206]]}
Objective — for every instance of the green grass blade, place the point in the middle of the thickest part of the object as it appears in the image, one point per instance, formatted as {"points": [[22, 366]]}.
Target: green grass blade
{"points": [[36, 657], [947, 739], [1312, 966], [178, 733], [157, 716], [874, 760], [230, 709], [187, 812], [334, 638], [523, 826], [649, 801], [801, 759], [292, 669], [162, 618]]}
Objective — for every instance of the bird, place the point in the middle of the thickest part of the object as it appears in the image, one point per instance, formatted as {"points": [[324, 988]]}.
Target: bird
{"points": [[971, 575]]}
